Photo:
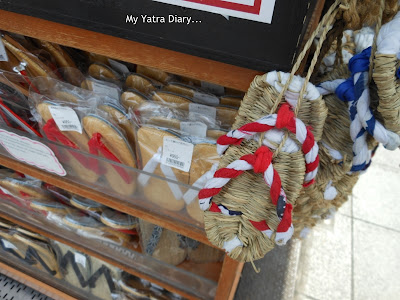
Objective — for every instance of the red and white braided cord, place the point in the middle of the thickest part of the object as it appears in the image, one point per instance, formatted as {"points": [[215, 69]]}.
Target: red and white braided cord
{"points": [[260, 162], [285, 118]]}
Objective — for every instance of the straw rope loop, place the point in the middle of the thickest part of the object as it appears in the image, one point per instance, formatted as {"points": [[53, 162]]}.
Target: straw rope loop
{"points": [[285, 118], [259, 162]]}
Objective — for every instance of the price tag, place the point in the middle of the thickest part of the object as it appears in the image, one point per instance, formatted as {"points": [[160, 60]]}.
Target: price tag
{"points": [[80, 259], [3, 52], [204, 110], [206, 99], [177, 154], [119, 67], [65, 118], [9, 245], [194, 128], [106, 90], [213, 88]]}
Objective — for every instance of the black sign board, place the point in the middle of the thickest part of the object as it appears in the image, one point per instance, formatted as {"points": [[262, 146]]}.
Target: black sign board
{"points": [[232, 40]]}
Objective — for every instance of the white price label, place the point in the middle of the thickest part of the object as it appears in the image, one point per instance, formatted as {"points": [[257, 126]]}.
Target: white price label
{"points": [[119, 67], [213, 88], [9, 245], [31, 152], [65, 118], [194, 128], [3, 52], [206, 99], [106, 90], [204, 110], [80, 259], [177, 154]]}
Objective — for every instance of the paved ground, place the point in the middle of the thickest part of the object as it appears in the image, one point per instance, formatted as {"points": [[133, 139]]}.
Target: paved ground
{"points": [[355, 255]]}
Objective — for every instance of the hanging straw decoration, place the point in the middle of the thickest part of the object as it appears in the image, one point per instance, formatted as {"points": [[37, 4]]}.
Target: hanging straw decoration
{"points": [[387, 73], [270, 157]]}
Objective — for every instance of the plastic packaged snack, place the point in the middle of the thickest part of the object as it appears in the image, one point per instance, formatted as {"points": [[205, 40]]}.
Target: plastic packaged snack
{"points": [[233, 101], [103, 88], [86, 204], [65, 63], [154, 73], [205, 161], [120, 117], [83, 167], [14, 106], [40, 254], [89, 227], [26, 61], [132, 99], [118, 220], [107, 140], [194, 93], [103, 72], [141, 83], [88, 273], [166, 194], [161, 244]]}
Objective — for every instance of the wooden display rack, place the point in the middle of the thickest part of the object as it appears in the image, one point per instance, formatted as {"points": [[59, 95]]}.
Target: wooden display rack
{"points": [[173, 62]]}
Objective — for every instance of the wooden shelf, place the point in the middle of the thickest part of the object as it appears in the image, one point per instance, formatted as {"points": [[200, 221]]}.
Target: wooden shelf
{"points": [[34, 283], [150, 215], [187, 273], [129, 51]]}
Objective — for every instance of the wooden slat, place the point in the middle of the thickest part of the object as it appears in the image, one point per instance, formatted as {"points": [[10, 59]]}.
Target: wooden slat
{"points": [[150, 215], [33, 283], [66, 239], [229, 279], [129, 51]]}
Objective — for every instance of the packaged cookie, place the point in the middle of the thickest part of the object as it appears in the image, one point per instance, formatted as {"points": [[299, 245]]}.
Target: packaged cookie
{"points": [[104, 73], [103, 88], [65, 63], [205, 160], [89, 227], [194, 93], [86, 204], [154, 73], [69, 134], [118, 220], [28, 64], [161, 244], [75, 266], [141, 83], [131, 99], [119, 115], [39, 254], [14, 106], [110, 142], [165, 194]]}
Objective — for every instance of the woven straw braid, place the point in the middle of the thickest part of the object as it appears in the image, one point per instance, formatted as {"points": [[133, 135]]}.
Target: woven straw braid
{"points": [[248, 193]]}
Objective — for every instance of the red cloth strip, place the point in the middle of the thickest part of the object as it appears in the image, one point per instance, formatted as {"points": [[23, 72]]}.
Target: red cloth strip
{"points": [[286, 221], [261, 225], [96, 145]]}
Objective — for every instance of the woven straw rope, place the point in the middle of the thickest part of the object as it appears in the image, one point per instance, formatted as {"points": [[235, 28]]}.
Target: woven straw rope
{"points": [[249, 193]]}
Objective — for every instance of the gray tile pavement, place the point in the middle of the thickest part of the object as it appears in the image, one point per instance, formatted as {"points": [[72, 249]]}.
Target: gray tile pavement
{"points": [[353, 256]]}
